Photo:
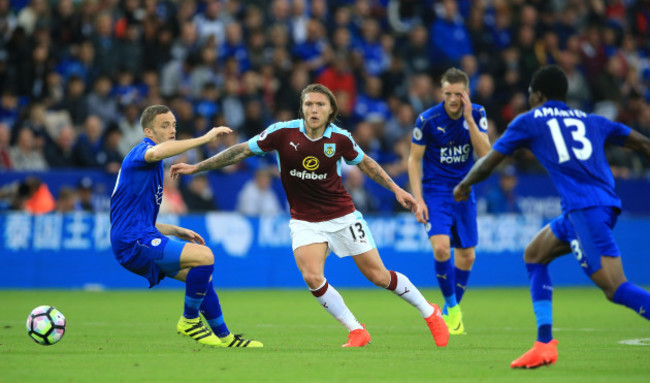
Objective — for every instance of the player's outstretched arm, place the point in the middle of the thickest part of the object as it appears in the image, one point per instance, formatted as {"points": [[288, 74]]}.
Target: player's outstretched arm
{"points": [[174, 147], [232, 155], [480, 171], [372, 169], [639, 143]]}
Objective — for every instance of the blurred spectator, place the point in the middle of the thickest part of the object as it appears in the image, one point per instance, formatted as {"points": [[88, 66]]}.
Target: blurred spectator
{"points": [[354, 183], [450, 38], [502, 197], [198, 195], [131, 129], [89, 143], [257, 198], [415, 52], [34, 197], [74, 101], [67, 200], [61, 153], [109, 156], [172, 201], [5, 153], [85, 195], [338, 77], [25, 156], [100, 101]]}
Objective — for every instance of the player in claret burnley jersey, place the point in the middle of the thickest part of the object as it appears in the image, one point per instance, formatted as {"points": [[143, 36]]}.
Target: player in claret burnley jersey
{"points": [[444, 140], [569, 143], [323, 217], [140, 244]]}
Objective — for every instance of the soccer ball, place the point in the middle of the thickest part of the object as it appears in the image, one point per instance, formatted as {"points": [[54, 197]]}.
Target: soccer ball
{"points": [[46, 325]]}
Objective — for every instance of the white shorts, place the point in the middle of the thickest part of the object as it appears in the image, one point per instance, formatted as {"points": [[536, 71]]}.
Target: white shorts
{"points": [[345, 236]]}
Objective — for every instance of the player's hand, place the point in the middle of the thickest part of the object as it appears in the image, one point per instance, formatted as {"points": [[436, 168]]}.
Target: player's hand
{"points": [[461, 192], [182, 168], [467, 105], [422, 214], [407, 200], [213, 133], [189, 235]]}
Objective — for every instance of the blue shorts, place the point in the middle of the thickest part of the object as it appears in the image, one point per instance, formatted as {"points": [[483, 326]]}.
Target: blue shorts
{"points": [[455, 219], [590, 234], [155, 258]]}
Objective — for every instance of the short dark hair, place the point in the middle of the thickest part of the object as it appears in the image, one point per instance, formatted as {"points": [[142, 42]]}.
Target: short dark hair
{"points": [[320, 88], [150, 113], [551, 82], [454, 76]]}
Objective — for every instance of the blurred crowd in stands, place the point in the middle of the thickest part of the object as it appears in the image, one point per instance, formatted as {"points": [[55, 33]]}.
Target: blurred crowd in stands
{"points": [[75, 74]]}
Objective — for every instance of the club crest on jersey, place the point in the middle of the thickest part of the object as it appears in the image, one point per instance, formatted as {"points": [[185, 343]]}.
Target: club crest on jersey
{"points": [[310, 163], [329, 149], [465, 125], [417, 134], [155, 242]]}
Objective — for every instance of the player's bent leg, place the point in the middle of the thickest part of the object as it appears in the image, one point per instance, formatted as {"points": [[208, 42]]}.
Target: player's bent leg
{"points": [[541, 354], [611, 279], [371, 266], [310, 260], [540, 251]]}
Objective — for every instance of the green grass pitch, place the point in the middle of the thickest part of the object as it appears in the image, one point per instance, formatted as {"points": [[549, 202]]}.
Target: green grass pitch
{"points": [[129, 336]]}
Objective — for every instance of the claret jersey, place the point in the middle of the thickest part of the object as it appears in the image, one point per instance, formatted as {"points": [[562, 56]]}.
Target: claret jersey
{"points": [[311, 169]]}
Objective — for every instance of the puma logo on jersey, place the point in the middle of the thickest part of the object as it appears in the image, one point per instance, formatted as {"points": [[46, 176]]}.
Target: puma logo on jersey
{"points": [[443, 130], [295, 146]]}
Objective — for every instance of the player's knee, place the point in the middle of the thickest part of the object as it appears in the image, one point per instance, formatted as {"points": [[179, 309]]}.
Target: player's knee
{"points": [[465, 262], [313, 280], [531, 255], [206, 257], [441, 252]]}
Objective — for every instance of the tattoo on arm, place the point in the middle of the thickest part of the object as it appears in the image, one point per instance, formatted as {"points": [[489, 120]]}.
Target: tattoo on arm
{"points": [[232, 155], [372, 169]]}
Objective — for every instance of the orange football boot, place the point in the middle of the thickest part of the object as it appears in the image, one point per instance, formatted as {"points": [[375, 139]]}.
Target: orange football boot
{"points": [[358, 338], [542, 354], [438, 326]]}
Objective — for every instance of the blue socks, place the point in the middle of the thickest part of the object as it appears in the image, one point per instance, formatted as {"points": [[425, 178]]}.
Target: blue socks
{"points": [[462, 276], [446, 281], [541, 291], [211, 310], [634, 297], [196, 285]]}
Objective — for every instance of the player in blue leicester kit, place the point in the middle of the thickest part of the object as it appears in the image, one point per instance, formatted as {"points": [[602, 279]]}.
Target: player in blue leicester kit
{"points": [[444, 140], [570, 144], [140, 244]]}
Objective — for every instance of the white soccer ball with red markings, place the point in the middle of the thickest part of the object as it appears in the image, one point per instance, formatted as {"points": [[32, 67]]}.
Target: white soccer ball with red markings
{"points": [[46, 325]]}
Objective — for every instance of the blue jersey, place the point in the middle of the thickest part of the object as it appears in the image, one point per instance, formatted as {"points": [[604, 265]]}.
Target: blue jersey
{"points": [[135, 201], [449, 154], [570, 144]]}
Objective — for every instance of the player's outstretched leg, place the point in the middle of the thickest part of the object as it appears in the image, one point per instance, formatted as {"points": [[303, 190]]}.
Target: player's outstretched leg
{"points": [[333, 302], [541, 354], [401, 286], [211, 310]]}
